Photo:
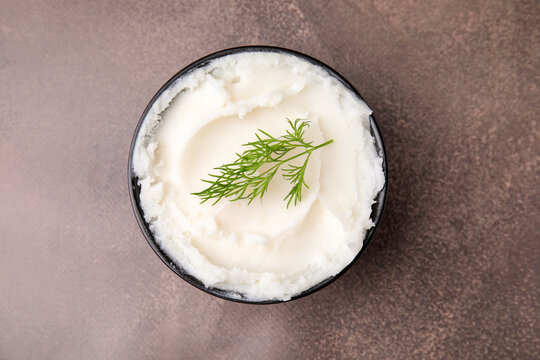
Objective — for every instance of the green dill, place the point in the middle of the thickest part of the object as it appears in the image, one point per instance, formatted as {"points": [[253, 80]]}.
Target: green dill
{"points": [[248, 177]]}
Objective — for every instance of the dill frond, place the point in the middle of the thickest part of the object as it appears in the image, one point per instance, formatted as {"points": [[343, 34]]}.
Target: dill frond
{"points": [[249, 176]]}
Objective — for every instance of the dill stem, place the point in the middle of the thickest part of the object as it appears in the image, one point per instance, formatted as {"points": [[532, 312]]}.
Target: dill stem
{"points": [[309, 151]]}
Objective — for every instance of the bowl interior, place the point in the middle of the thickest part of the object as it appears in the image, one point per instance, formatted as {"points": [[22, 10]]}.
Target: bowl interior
{"points": [[135, 190]]}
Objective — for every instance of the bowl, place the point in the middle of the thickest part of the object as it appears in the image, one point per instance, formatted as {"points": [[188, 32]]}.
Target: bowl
{"points": [[134, 188]]}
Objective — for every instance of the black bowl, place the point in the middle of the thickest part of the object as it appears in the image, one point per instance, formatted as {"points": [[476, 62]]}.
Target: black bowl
{"points": [[134, 188]]}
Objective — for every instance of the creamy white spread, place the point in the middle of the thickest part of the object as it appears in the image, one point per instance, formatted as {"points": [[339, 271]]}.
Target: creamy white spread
{"points": [[263, 250]]}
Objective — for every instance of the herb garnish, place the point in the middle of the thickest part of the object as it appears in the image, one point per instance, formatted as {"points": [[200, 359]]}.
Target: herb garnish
{"points": [[246, 178]]}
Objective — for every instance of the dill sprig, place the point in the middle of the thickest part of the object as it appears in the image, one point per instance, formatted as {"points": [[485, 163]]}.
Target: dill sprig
{"points": [[250, 174]]}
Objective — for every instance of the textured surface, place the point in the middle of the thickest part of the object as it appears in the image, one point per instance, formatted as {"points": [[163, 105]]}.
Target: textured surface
{"points": [[452, 272]]}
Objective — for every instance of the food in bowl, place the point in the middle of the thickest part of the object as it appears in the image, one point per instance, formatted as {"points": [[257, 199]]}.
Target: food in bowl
{"points": [[270, 246]]}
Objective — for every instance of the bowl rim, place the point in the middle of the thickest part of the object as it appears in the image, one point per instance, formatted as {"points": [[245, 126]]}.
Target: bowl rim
{"points": [[134, 189]]}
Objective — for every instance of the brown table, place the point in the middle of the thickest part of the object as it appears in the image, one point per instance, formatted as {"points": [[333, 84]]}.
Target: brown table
{"points": [[452, 272]]}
